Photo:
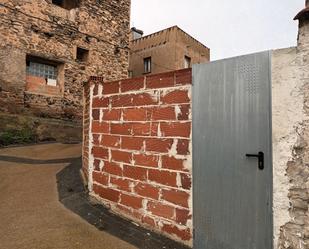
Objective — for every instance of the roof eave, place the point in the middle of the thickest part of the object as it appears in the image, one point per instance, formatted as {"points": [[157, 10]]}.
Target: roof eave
{"points": [[303, 15]]}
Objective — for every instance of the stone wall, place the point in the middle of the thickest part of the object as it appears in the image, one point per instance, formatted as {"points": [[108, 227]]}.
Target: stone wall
{"points": [[42, 29], [137, 150]]}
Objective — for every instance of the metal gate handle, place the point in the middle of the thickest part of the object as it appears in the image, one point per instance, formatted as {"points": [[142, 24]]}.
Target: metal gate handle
{"points": [[260, 157]]}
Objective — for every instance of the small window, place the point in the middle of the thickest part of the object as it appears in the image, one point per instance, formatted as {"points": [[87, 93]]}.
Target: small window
{"points": [[147, 65], [187, 62], [44, 69], [82, 54], [66, 4]]}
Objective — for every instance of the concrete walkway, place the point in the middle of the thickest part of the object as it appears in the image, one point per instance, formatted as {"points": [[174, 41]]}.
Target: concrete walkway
{"points": [[31, 217]]}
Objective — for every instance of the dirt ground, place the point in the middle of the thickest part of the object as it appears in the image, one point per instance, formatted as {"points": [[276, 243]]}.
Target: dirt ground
{"points": [[31, 215]]}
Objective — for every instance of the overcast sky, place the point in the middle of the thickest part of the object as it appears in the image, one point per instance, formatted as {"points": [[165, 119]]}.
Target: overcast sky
{"points": [[229, 28]]}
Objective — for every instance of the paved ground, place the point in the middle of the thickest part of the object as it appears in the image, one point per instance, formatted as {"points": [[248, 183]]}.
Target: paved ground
{"points": [[31, 217]]}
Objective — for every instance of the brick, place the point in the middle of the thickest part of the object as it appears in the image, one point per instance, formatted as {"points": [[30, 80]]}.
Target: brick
{"points": [[183, 147], [95, 139], [131, 201], [163, 177], [177, 197], [106, 193], [96, 164], [146, 160], [121, 184], [186, 181], [96, 90], [149, 221], [121, 156], [161, 210], [164, 113], [184, 112], [158, 145], [182, 216], [130, 212], [96, 114], [169, 162], [175, 129], [154, 129], [183, 77], [160, 80], [112, 168], [100, 178], [136, 173], [132, 143], [121, 129], [100, 102], [99, 152], [183, 234], [145, 99], [100, 127], [147, 190], [110, 88], [122, 100], [135, 114], [141, 129], [134, 84], [175, 97], [112, 115], [110, 141]]}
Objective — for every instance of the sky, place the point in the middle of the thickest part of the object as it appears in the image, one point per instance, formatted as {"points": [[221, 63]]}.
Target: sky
{"points": [[229, 28]]}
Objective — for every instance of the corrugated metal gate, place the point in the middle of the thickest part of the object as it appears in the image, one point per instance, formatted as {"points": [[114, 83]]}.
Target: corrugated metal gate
{"points": [[232, 164]]}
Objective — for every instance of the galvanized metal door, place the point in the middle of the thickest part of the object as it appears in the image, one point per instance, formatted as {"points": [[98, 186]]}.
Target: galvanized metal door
{"points": [[232, 194]]}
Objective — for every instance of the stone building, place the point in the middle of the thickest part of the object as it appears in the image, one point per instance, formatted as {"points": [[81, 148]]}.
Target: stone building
{"points": [[167, 50], [49, 48]]}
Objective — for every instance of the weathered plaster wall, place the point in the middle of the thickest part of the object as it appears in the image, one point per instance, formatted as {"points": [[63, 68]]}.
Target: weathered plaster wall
{"points": [[290, 98]]}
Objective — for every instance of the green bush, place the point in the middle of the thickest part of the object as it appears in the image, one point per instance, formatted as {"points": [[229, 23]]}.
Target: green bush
{"points": [[9, 137]]}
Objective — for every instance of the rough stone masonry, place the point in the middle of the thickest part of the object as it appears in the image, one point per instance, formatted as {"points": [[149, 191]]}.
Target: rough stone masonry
{"points": [[72, 39]]}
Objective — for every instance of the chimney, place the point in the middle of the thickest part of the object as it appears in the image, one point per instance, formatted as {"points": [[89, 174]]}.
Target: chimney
{"points": [[136, 34], [303, 30]]}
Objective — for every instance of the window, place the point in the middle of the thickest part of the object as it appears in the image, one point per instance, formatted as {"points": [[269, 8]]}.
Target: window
{"points": [[66, 4], [82, 54], [147, 65], [187, 62], [43, 69]]}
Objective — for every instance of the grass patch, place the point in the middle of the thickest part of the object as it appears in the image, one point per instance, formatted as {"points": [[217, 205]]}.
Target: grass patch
{"points": [[10, 137]]}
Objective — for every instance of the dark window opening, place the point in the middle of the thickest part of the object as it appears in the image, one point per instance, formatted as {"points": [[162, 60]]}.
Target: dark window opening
{"points": [[66, 4], [147, 65], [187, 62], [82, 54]]}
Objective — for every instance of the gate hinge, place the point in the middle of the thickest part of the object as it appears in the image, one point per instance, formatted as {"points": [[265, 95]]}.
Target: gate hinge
{"points": [[193, 233]]}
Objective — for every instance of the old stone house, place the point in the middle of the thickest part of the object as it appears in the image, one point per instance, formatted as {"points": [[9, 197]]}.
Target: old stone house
{"points": [[49, 48], [167, 50]]}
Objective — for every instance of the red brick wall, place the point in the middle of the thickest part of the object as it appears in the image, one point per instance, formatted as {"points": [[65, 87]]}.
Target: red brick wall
{"points": [[140, 150], [38, 85]]}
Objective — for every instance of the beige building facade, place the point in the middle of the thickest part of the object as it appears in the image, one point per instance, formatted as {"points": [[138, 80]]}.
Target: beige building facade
{"points": [[167, 50]]}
